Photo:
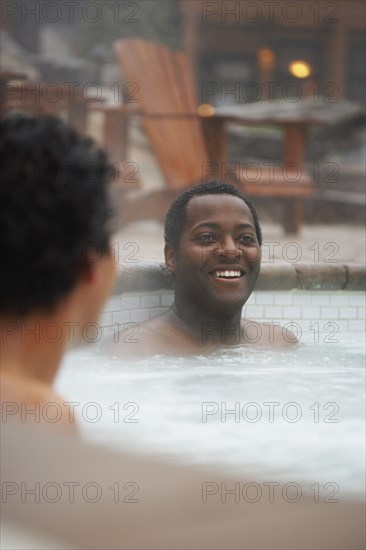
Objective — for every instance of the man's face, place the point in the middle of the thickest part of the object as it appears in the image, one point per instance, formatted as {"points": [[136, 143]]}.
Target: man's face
{"points": [[218, 259]]}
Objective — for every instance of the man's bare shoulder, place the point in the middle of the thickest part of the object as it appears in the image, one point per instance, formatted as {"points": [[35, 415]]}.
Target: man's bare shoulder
{"points": [[268, 334], [161, 335], [153, 336], [34, 402]]}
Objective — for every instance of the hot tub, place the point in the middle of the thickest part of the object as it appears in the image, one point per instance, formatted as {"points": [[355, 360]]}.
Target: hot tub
{"points": [[296, 416]]}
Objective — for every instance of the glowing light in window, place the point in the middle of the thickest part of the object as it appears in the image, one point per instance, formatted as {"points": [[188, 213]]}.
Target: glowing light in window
{"points": [[300, 69]]}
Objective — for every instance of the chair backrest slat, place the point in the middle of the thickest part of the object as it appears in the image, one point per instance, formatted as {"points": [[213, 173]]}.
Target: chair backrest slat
{"points": [[166, 96]]}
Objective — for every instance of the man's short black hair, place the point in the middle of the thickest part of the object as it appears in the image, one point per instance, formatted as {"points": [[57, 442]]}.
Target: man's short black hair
{"points": [[177, 213], [55, 207]]}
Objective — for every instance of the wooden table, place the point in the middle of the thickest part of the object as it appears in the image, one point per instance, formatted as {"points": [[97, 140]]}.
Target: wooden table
{"points": [[294, 118], [215, 130]]}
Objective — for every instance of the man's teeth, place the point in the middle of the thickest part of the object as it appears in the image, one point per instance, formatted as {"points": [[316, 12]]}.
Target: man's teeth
{"points": [[228, 274]]}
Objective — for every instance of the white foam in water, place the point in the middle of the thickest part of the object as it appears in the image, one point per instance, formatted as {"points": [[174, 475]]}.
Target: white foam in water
{"points": [[316, 433]]}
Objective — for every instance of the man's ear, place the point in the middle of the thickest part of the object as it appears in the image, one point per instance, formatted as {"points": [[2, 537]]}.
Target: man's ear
{"points": [[169, 257], [92, 271]]}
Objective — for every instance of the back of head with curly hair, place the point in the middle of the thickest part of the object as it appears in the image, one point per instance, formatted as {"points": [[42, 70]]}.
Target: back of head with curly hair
{"points": [[55, 208]]}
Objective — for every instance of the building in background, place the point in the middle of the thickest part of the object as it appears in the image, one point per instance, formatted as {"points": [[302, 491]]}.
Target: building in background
{"points": [[272, 49], [247, 49]]}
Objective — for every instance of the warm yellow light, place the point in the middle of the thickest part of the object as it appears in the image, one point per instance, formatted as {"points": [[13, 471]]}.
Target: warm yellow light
{"points": [[300, 69], [205, 109]]}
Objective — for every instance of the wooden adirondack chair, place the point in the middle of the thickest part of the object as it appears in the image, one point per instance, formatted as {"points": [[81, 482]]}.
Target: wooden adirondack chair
{"points": [[167, 103]]}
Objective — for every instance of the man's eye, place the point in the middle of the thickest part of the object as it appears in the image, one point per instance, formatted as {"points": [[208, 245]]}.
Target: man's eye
{"points": [[206, 237], [248, 239]]}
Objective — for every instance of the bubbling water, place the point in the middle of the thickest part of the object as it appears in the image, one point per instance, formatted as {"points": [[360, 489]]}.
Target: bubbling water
{"points": [[296, 416]]}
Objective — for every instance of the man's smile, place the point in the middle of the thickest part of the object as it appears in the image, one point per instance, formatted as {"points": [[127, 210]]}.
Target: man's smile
{"points": [[228, 273]]}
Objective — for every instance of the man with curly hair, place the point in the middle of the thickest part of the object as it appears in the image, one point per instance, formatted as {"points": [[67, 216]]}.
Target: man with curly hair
{"points": [[56, 221]]}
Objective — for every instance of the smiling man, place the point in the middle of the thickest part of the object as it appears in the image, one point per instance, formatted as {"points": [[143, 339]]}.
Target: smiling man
{"points": [[213, 250]]}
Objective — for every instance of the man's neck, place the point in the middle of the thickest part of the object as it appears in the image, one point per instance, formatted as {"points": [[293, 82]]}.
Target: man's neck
{"points": [[30, 350], [207, 327]]}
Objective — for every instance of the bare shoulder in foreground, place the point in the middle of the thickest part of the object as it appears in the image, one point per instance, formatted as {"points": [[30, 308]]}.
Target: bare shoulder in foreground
{"points": [[32, 402]]}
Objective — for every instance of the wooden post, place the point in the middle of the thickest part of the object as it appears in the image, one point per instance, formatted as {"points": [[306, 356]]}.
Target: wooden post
{"points": [[293, 154], [338, 60], [293, 213], [115, 133], [190, 34], [294, 144], [214, 132]]}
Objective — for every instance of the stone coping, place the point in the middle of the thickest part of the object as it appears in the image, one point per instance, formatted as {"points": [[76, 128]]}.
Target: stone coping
{"points": [[153, 276]]}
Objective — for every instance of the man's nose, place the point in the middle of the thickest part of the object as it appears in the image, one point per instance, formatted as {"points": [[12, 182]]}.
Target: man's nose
{"points": [[229, 250]]}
